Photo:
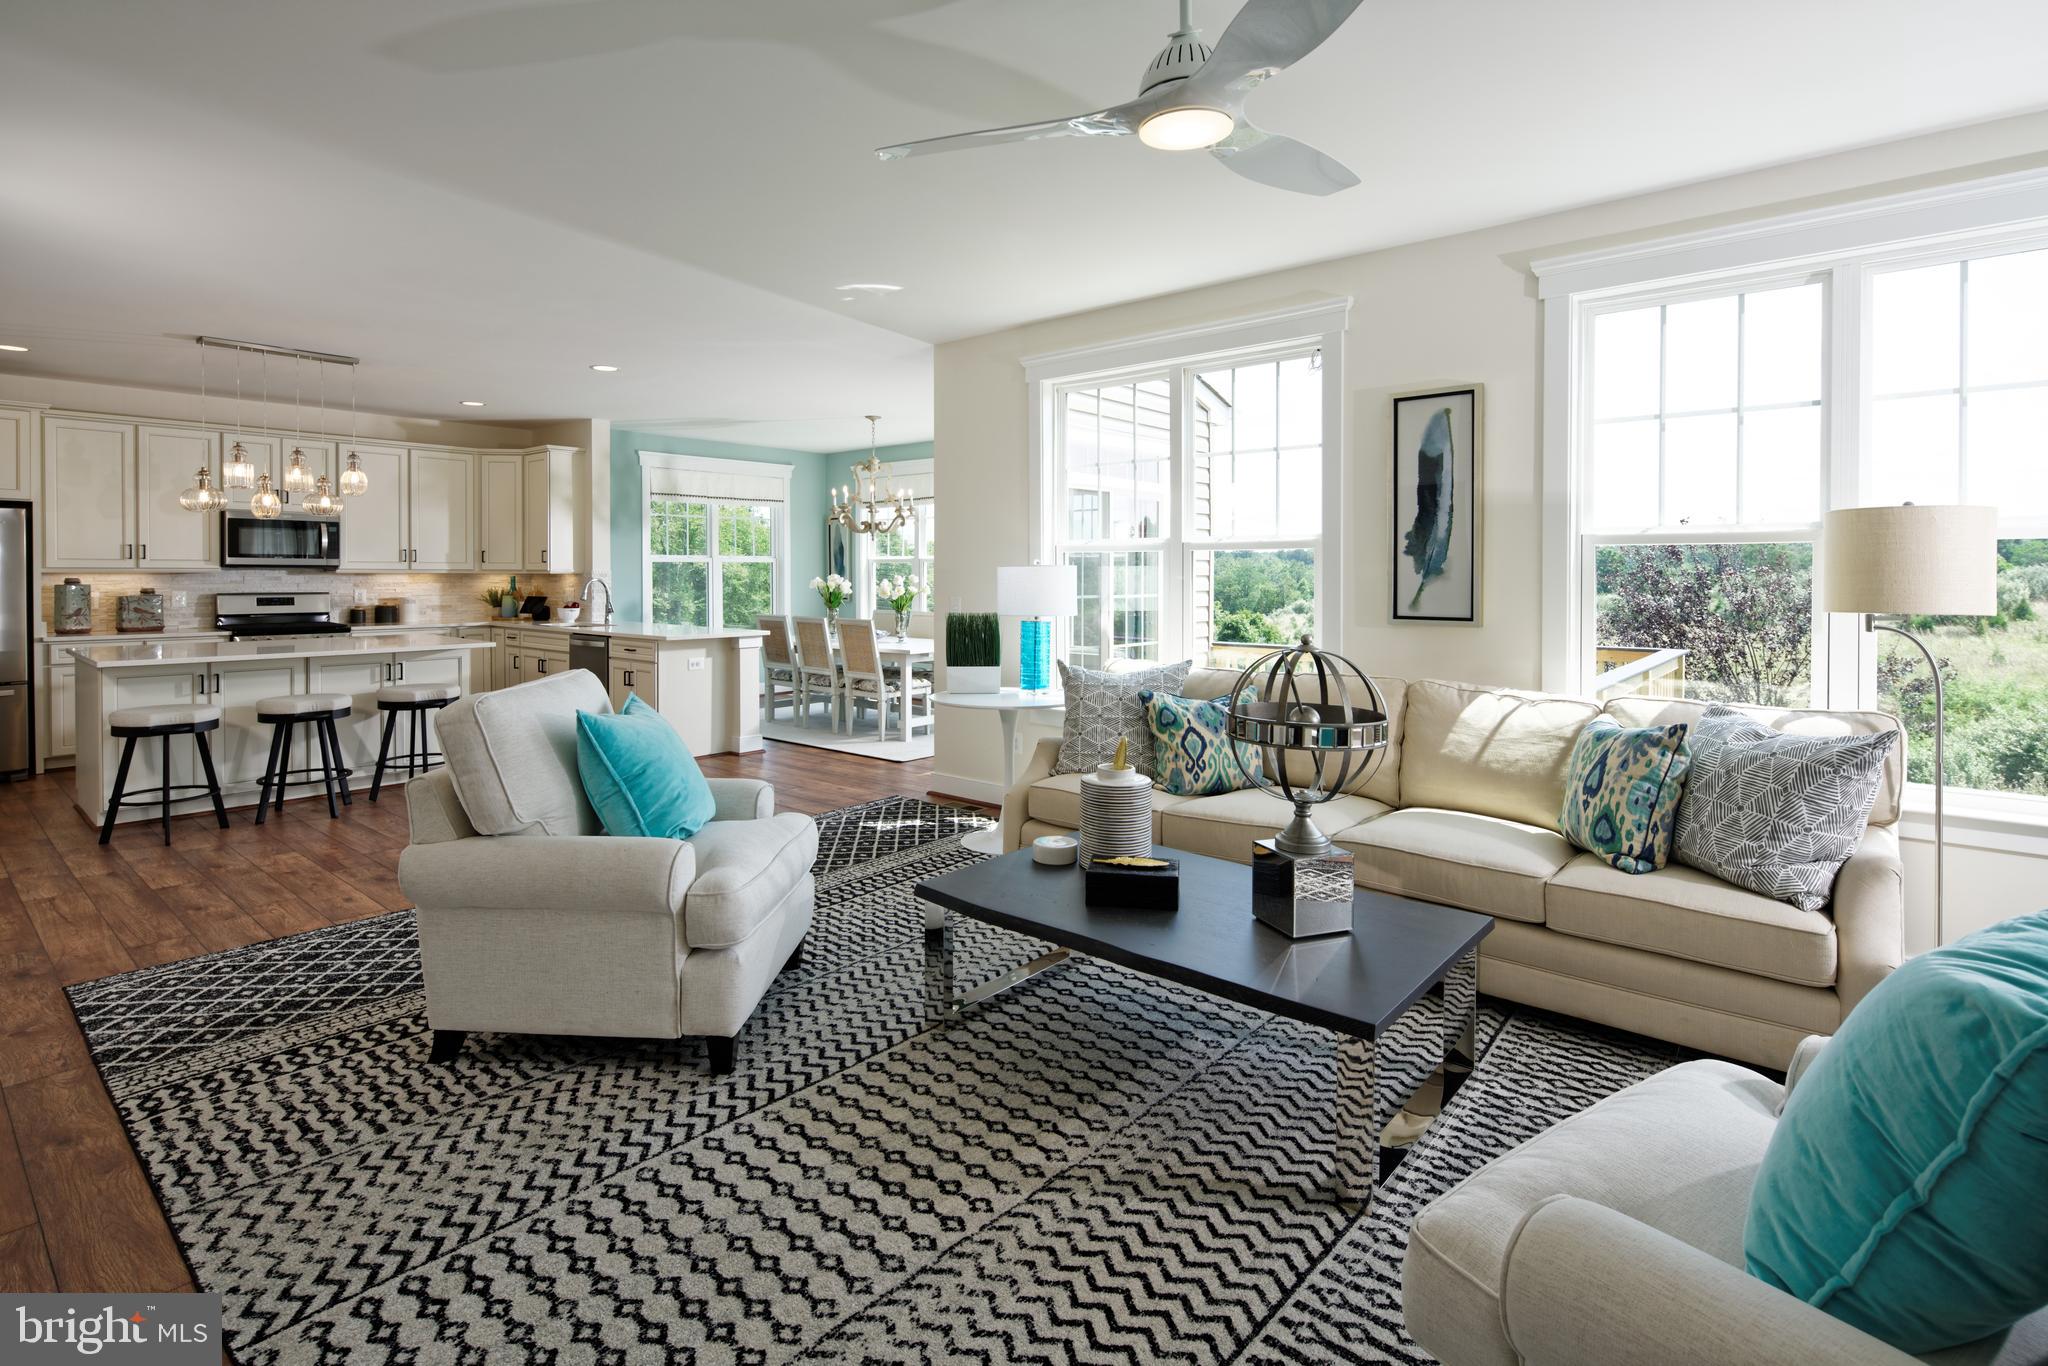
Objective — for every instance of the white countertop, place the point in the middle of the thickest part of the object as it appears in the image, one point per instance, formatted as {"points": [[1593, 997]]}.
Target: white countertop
{"points": [[638, 630], [163, 651]]}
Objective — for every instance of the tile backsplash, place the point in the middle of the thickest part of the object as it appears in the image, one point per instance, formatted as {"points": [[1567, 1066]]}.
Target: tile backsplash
{"points": [[428, 599]]}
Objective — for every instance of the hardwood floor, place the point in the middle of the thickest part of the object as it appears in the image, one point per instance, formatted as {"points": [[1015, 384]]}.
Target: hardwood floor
{"points": [[76, 1212]]}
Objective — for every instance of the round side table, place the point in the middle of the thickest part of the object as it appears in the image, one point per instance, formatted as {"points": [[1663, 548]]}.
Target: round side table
{"points": [[1005, 703]]}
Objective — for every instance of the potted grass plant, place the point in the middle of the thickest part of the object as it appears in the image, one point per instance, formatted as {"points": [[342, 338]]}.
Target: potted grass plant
{"points": [[974, 652]]}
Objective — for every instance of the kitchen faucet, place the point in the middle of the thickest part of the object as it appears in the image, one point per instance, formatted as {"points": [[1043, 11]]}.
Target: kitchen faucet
{"points": [[599, 582]]}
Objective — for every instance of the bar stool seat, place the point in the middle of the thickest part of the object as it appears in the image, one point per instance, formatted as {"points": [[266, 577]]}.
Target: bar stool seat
{"points": [[415, 700], [130, 724], [401, 693], [319, 710]]}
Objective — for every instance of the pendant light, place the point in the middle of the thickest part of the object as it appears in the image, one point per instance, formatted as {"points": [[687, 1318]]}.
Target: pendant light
{"points": [[238, 471], [264, 502], [354, 483], [202, 496], [297, 478], [322, 501]]}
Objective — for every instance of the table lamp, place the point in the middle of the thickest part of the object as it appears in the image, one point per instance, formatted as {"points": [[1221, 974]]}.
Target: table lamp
{"points": [[1913, 561], [1037, 593]]}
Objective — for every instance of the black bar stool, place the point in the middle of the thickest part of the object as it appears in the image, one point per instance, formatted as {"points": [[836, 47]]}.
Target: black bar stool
{"points": [[415, 700], [130, 724], [319, 710]]}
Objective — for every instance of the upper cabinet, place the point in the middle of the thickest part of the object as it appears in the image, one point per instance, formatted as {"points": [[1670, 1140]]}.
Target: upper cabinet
{"points": [[554, 541], [167, 535], [443, 509], [18, 429], [264, 450], [376, 532], [499, 476], [88, 494]]}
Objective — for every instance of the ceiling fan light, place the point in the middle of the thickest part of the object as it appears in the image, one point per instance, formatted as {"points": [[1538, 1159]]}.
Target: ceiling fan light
{"points": [[1187, 129]]}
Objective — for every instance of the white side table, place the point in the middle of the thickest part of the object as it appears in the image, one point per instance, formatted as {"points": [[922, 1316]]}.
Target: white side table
{"points": [[1005, 704]]}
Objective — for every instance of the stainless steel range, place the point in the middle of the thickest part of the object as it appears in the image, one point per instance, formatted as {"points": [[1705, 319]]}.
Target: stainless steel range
{"points": [[276, 616]]}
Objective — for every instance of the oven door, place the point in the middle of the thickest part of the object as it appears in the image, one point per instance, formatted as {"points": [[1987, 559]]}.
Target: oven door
{"points": [[247, 539]]}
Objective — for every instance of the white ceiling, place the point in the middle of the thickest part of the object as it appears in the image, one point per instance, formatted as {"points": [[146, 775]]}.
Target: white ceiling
{"points": [[483, 199]]}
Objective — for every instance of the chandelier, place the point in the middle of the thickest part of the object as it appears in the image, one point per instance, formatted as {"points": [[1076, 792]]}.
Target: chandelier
{"points": [[295, 474], [866, 508]]}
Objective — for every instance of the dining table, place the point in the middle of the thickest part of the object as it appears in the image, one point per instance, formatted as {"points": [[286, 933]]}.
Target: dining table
{"points": [[900, 655]]}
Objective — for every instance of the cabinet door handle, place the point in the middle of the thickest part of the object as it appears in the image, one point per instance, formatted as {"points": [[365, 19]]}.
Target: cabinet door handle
{"points": [[401, 671], [216, 685], [199, 687], [127, 550], [145, 551]]}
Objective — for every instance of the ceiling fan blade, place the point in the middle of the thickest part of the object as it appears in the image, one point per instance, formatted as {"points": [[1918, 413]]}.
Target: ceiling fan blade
{"points": [[1116, 122], [1281, 162], [1269, 36]]}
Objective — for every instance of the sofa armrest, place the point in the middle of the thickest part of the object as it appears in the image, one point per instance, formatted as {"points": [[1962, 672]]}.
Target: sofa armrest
{"points": [[567, 873], [742, 799], [1587, 1286], [1043, 755], [1803, 1057], [1870, 915]]}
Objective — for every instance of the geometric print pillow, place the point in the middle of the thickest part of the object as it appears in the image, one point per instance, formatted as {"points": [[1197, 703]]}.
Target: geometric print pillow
{"points": [[1779, 814], [1103, 708], [1191, 746], [1621, 792]]}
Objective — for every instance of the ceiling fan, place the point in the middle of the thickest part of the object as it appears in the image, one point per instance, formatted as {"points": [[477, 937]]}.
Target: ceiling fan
{"points": [[1192, 97]]}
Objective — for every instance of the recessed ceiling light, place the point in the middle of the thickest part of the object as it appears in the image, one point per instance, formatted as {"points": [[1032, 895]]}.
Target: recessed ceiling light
{"points": [[10, 346], [472, 403], [868, 289], [605, 369]]}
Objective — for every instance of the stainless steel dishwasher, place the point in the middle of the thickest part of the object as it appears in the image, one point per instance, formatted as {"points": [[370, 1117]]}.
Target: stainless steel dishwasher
{"points": [[593, 653]]}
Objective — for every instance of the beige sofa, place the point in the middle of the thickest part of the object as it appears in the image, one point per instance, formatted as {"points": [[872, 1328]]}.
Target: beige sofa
{"points": [[1464, 811]]}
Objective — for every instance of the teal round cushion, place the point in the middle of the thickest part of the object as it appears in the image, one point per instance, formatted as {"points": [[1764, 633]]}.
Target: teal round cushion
{"points": [[640, 775], [1902, 1190]]}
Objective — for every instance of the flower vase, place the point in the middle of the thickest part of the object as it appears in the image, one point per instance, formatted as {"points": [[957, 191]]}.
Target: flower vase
{"points": [[832, 620], [902, 624]]}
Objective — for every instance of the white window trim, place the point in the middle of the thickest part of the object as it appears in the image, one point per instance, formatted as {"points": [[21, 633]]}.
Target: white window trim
{"points": [[777, 473], [1320, 325], [1846, 244]]}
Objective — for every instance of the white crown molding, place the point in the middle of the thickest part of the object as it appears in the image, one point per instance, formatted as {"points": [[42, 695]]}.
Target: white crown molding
{"points": [[1964, 209], [712, 464], [1182, 344]]}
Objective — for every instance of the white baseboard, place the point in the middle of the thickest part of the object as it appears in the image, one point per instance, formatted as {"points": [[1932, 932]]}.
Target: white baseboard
{"points": [[974, 789]]}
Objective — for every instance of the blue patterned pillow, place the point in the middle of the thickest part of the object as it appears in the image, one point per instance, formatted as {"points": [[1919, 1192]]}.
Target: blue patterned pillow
{"points": [[1191, 747], [1621, 793]]}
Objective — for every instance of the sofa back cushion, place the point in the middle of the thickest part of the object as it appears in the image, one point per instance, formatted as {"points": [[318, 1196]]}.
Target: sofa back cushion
{"points": [[1492, 751], [512, 755], [1665, 711], [1382, 783]]}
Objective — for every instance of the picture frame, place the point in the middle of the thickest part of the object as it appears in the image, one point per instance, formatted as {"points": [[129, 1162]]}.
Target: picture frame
{"points": [[1436, 504]]}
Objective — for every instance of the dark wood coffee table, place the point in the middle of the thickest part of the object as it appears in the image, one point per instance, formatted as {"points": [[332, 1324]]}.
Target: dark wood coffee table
{"points": [[1359, 985]]}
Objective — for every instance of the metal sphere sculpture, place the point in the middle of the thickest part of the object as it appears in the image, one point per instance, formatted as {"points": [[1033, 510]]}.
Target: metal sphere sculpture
{"points": [[1303, 701]]}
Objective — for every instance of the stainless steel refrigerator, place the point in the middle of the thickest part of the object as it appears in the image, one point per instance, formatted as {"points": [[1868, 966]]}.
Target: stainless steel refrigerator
{"points": [[17, 610]]}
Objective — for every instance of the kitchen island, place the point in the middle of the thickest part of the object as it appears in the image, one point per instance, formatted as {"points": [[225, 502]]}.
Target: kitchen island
{"points": [[235, 676]]}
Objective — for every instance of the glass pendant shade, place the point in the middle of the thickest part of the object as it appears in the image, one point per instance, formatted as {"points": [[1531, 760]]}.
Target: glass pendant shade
{"points": [[238, 471], [323, 501], [202, 496], [297, 477], [354, 483], [265, 502]]}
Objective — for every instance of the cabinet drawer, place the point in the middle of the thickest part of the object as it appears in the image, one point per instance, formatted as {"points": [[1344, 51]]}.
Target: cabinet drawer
{"points": [[634, 649]]}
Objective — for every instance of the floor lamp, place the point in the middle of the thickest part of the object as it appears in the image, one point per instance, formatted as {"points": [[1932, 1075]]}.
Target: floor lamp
{"points": [[1912, 561]]}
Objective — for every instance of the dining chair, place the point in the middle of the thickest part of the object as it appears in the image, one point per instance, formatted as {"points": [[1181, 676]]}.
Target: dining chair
{"points": [[867, 685], [778, 664], [816, 669]]}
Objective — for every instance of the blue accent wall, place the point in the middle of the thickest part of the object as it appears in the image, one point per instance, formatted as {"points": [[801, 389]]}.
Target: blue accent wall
{"points": [[811, 479]]}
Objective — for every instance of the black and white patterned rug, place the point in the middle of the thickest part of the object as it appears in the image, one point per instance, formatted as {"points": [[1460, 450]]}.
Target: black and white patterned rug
{"points": [[1096, 1166]]}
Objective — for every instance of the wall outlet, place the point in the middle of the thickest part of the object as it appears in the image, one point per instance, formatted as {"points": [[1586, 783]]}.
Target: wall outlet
{"points": [[696, 661]]}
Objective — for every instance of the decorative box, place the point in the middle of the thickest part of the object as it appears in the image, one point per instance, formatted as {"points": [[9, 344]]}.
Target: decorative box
{"points": [[142, 611], [1302, 896], [1142, 884], [72, 608]]}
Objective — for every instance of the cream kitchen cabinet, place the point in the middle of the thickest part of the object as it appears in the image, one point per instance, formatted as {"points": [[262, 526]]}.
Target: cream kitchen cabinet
{"points": [[59, 706], [631, 679], [533, 654], [20, 439], [241, 747], [88, 494], [552, 541], [442, 489], [376, 532], [168, 535], [500, 481]]}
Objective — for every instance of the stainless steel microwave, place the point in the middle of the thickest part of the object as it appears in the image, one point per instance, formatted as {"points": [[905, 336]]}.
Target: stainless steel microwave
{"points": [[291, 539]]}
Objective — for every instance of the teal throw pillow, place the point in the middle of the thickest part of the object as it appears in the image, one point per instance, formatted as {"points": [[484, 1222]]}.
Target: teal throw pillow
{"points": [[1191, 751], [1621, 792], [1902, 1190], [639, 775]]}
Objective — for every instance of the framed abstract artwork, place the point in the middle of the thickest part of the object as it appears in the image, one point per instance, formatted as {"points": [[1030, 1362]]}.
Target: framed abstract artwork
{"points": [[1436, 504]]}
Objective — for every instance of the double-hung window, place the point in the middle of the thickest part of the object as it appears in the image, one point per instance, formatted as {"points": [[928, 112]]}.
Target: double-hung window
{"points": [[1191, 495], [909, 550], [716, 539]]}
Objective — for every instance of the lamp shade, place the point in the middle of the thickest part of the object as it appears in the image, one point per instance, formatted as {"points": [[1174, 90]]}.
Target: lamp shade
{"points": [[1935, 561], [1037, 590]]}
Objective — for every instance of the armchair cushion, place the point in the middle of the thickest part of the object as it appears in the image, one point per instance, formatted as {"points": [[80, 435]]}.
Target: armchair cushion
{"points": [[744, 870], [640, 775], [512, 754]]}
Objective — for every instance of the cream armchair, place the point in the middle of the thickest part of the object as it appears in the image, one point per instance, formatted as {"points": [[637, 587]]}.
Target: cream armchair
{"points": [[531, 921], [1615, 1238]]}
